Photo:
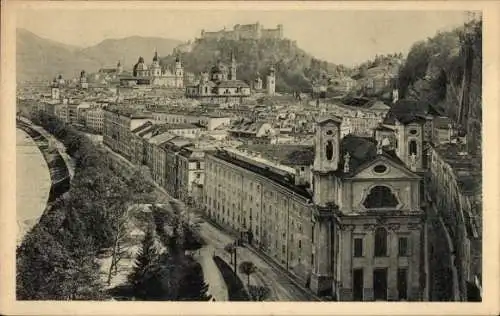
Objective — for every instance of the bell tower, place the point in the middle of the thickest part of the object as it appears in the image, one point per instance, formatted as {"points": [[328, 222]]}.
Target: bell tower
{"points": [[179, 73], [410, 136], [326, 160], [327, 139], [325, 193]]}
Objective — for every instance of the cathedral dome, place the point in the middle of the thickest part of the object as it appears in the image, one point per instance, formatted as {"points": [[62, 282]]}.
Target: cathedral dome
{"points": [[218, 68], [142, 66]]}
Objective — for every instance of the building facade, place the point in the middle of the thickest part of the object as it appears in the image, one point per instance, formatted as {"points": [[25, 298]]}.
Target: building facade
{"points": [[354, 233], [454, 190], [220, 85], [155, 75], [118, 124], [94, 119]]}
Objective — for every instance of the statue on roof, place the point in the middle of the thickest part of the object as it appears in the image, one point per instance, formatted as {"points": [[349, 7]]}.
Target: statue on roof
{"points": [[347, 158]]}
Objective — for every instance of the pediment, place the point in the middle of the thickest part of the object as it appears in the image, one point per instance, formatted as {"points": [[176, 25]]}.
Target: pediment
{"points": [[384, 168]]}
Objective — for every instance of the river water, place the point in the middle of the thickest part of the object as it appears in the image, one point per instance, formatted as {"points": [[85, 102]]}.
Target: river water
{"points": [[33, 183]]}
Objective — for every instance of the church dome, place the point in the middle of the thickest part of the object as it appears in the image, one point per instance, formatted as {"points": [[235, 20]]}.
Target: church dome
{"points": [[218, 68], [142, 66]]}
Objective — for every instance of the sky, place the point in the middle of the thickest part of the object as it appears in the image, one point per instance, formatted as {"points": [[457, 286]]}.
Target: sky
{"points": [[343, 37]]}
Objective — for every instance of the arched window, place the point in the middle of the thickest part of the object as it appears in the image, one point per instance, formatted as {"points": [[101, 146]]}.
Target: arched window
{"points": [[412, 147], [329, 150], [380, 197], [380, 242], [206, 89]]}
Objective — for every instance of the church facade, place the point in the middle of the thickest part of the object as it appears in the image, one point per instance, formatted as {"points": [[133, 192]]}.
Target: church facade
{"points": [[354, 230], [220, 85], [155, 75]]}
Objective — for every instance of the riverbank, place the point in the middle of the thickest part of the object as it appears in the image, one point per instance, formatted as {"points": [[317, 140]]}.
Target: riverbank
{"points": [[32, 183]]}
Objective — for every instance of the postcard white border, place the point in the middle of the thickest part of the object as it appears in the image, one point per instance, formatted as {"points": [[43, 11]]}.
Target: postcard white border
{"points": [[491, 57]]}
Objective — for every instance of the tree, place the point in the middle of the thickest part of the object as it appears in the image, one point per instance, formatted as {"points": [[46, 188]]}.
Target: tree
{"points": [[248, 268], [121, 234], [230, 248], [258, 293], [193, 286], [146, 261]]}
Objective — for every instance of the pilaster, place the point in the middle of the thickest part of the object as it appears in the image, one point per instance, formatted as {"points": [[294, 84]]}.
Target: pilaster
{"points": [[322, 278]]}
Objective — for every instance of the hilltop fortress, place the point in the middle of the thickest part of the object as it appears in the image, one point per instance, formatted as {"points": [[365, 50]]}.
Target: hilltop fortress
{"points": [[247, 31]]}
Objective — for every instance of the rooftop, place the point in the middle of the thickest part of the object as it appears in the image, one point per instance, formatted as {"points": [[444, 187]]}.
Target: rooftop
{"points": [[287, 182], [407, 110], [290, 155], [179, 126], [129, 112]]}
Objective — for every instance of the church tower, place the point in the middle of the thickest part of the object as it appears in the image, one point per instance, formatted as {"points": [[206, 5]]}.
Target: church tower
{"points": [[155, 66], [257, 82], [325, 192], [55, 90], [326, 159], [119, 68], [410, 136], [179, 73], [83, 80], [271, 82], [232, 69]]}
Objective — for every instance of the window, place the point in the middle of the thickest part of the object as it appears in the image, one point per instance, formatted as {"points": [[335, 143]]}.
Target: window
{"points": [[412, 147], [380, 168], [380, 242], [403, 247], [358, 247], [329, 150], [380, 197], [402, 284], [300, 244]]}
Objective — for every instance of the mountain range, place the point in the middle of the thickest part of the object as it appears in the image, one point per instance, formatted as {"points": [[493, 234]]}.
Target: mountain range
{"points": [[39, 58]]}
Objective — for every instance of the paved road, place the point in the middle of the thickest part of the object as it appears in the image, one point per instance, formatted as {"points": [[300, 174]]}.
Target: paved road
{"points": [[281, 288]]}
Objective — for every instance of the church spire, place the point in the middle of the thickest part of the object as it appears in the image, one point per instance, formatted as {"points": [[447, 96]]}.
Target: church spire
{"points": [[155, 58]]}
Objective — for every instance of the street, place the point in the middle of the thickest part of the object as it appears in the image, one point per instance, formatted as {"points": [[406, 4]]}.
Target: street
{"points": [[279, 284]]}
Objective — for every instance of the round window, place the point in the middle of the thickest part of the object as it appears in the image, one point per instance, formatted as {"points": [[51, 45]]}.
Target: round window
{"points": [[413, 131], [329, 132], [380, 169]]}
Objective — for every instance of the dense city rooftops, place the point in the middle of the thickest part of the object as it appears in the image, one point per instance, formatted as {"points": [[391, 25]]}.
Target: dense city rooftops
{"points": [[129, 112], [192, 112]]}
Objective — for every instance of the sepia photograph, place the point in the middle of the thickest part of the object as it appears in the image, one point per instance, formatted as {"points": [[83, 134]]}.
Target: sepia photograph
{"points": [[197, 154]]}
